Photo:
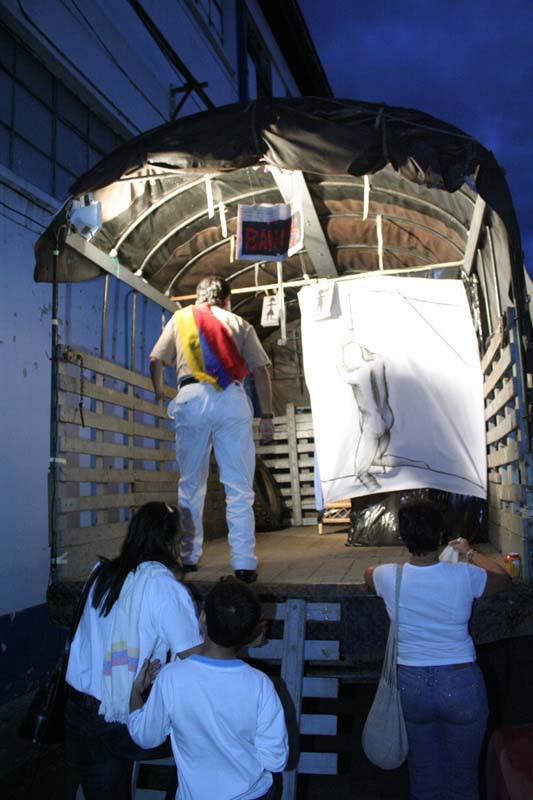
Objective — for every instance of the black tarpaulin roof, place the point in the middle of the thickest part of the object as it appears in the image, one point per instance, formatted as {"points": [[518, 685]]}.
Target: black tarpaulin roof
{"points": [[158, 221]]}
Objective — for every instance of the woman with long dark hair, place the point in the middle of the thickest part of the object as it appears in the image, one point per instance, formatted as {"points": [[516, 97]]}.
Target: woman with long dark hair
{"points": [[136, 609], [442, 691]]}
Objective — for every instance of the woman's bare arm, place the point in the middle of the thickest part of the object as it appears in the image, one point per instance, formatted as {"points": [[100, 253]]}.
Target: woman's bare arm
{"points": [[497, 578], [369, 578]]}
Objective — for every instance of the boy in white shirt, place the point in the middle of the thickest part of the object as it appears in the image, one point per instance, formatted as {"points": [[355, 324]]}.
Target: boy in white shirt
{"points": [[225, 720]]}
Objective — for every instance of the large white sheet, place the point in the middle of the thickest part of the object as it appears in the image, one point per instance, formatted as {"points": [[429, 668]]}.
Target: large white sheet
{"points": [[396, 387]]}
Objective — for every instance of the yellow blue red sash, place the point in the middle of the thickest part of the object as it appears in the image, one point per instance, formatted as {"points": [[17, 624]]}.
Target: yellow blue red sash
{"points": [[208, 347]]}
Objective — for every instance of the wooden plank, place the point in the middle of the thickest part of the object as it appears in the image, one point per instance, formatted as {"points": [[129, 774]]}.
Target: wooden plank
{"points": [[508, 492], [318, 612], [315, 650], [286, 491], [70, 385], [472, 241], [318, 725], [109, 369], [280, 434], [506, 541], [78, 561], [316, 764], [316, 245], [281, 449], [323, 612], [320, 687], [500, 368], [502, 429], [71, 537], [292, 671], [113, 424], [285, 464], [304, 429], [110, 475], [504, 455], [520, 386], [156, 488], [104, 501], [102, 515], [492, 349], [294, 466], [113, 267], [501, 398], [511, 522], [75, 445], [305, 435]]}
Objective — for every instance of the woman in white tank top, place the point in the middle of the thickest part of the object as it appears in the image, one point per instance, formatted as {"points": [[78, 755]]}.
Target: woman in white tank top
{"points": [[442, 690]]}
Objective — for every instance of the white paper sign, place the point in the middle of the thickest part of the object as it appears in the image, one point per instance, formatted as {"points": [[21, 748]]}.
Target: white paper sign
{"points": [[269, 232], [396, 388], [270, 312], [322, 299]]}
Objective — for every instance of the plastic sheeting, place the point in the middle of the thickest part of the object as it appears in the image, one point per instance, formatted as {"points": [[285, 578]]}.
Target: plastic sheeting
{"points": [[375, 518], [155, 214]]}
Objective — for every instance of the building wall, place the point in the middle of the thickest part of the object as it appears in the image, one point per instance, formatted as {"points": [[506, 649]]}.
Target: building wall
{"points": [[76, 80]]}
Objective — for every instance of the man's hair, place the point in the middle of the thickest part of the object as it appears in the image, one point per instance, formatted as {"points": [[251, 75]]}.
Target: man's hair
{"points": [[232, 613], [212, 290], [421, 526]]}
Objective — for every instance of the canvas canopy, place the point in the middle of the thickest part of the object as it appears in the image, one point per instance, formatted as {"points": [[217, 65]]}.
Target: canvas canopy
{"points": [[383, 188]]}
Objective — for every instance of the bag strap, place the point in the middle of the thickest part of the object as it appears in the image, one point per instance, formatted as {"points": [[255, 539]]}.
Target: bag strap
{"points": [[390, 660], [399, 573]]}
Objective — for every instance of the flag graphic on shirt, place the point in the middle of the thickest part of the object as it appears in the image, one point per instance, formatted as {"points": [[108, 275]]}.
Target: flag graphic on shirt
{"points": [[208, 347]]}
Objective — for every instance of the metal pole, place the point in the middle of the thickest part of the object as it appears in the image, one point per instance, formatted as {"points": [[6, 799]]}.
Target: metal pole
{"points": [[133, 329], [281, 302], [52, 465], [308, 281], [104, 316]]}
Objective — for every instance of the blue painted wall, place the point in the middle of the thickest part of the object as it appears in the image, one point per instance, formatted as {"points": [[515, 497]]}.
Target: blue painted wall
{"points": [[74, 82]]}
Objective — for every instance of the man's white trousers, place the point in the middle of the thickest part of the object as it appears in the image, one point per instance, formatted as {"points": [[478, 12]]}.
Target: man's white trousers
{"points": [[205, 418]]}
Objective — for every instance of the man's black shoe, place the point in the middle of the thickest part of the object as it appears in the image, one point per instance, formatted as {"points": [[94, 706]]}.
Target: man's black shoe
{"points": [[189, 567], [246, 575]]}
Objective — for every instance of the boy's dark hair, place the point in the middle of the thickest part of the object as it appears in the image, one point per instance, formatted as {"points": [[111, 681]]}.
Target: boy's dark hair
{"points": [[232, 613], [421, 526], [212, 290]]}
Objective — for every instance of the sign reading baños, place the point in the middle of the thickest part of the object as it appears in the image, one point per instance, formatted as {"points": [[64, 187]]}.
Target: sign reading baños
{"points": [[269, 232]]}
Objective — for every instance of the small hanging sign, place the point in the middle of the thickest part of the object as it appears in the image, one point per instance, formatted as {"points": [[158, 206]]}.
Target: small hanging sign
{"points": [[322, 299], [270, 312], [269, 232]]}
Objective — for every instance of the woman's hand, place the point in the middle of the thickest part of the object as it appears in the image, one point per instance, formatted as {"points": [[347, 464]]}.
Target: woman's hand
{"points": [[461, 545], [147, 675], [144, 679]]}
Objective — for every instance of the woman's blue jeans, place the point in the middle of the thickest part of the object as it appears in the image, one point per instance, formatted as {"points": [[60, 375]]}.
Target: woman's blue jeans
{"points": [[100, 754], [445, 710]]}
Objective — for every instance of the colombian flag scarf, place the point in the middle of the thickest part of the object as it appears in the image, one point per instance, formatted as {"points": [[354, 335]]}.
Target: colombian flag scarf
{"points": [[208, 348]]}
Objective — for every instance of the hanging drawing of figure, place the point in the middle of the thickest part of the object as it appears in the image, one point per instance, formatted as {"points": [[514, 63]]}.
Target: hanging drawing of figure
{"points": [[396, 387], [365, 372]]}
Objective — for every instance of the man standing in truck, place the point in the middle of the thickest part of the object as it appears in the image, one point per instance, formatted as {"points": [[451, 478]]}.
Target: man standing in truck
{"points": [[213, 350]]}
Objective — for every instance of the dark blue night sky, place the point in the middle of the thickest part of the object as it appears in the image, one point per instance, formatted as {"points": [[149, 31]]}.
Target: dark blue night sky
{"points": [[468, 63]]}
